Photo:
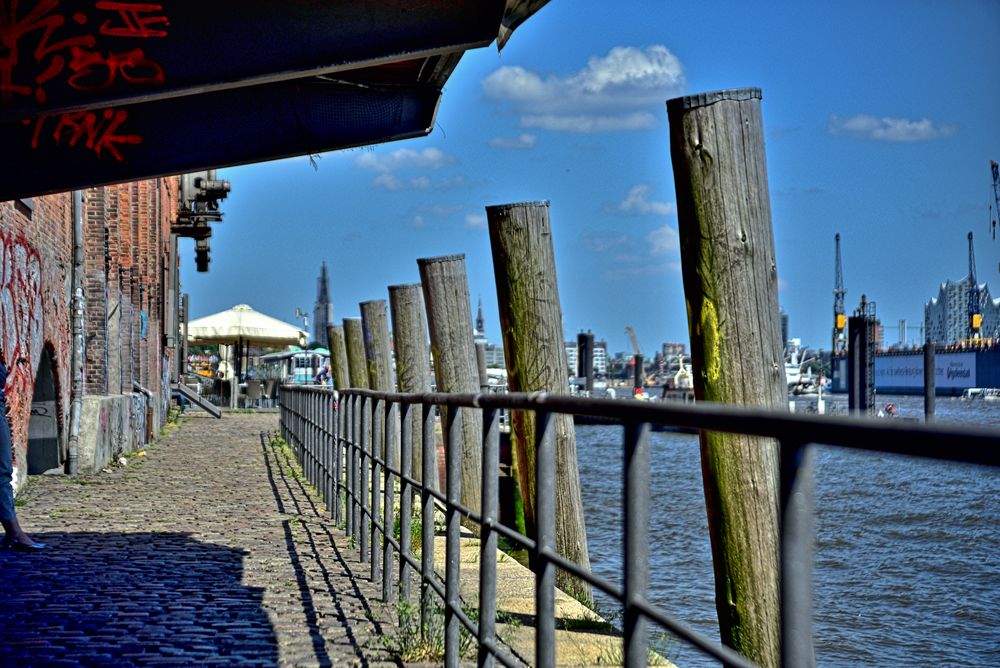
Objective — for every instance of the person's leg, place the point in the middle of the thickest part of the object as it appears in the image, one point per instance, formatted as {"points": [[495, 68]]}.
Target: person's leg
{"points": [[8, 518]]}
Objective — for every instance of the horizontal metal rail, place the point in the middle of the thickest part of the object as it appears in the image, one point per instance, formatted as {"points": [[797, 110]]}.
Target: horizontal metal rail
{"points": [[342, 442]]}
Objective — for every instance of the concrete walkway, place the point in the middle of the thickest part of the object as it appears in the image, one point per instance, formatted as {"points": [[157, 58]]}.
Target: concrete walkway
{"points": [[207, 551]]}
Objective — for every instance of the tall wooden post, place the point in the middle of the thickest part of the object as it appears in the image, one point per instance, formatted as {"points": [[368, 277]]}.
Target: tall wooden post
{"points": [[338, 356], [357, 365], [484, 378], [413, 357], [535, 354], [449, 318], [378, 352], [731, 290]]}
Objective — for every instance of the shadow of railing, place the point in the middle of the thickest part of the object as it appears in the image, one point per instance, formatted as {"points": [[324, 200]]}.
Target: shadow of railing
{"points": [[302, 504]]}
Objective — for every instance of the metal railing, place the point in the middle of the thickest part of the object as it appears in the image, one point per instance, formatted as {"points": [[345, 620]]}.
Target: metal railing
{"points": [[339, 451]]}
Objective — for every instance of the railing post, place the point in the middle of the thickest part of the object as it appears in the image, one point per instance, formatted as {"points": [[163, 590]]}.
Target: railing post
{"points": [[348, 445], [453, 540], [338, 459], [388, 502], [636, 567], [797, 536], [358, 410], [545, 513], [366, 450], [405, 499], [488, 537], [429, 461], [378, 450]]}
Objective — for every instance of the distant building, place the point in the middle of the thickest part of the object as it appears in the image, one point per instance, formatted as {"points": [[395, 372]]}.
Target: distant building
{"points": [[494, 353], [946, 317], [572, 357], [323, 309], [600, 358]]}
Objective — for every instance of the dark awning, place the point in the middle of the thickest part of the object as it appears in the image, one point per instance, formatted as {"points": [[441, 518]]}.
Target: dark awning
{"points": [[102, 92]]}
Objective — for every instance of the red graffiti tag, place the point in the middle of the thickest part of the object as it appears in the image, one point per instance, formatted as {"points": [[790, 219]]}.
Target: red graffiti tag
{"points": [[134, 24], [46, 53], [98, 130], [94, 71], [56, 54]]}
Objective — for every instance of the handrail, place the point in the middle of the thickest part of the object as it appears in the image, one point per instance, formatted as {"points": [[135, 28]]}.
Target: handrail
{"points": [[340, 441]]}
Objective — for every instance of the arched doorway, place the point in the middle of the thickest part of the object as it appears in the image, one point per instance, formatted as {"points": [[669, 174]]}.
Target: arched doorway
{"points": [[43, 428]]}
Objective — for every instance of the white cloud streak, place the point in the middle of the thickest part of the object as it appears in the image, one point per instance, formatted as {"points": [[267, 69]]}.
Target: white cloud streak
{"points": [[887, 128], [638, 203], [404, 158], [521, 142], [605, 96], [475, 221]]}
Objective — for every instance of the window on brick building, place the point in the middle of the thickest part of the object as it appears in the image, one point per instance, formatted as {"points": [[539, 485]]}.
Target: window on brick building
{"points": [[26, 206]]}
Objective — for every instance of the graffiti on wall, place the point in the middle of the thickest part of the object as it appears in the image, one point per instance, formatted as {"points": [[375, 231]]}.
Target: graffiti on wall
{"points": [[41, 46], [21, 321]]}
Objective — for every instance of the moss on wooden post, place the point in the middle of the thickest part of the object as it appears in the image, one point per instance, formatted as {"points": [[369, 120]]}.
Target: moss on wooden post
{"points": [[413, 357], [378, 353], [449, 318], [338, 356], [731, 291], [535, 354], [357, 365]]}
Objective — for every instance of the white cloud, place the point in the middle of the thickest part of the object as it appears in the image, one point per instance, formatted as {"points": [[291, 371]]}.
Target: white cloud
{"points": [[418, 221], [609, 91], [886, 128], [475, 221], [663, 240], [393, 183], [521, 142], [637, 202], [404, 158], [589, 123]]}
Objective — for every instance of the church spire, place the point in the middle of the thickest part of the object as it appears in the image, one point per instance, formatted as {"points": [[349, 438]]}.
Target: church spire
{"points": [[323, 309], [480, 321]]}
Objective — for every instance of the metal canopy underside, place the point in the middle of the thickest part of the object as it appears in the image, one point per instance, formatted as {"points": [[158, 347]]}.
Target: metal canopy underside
{"points": [[103, 92]]}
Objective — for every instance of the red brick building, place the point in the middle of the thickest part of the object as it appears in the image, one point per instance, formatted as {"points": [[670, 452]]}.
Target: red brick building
{"points": [[125, 280]]}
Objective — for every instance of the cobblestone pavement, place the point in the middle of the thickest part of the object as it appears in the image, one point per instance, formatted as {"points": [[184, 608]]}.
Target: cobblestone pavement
{"points": [[207, 551]]}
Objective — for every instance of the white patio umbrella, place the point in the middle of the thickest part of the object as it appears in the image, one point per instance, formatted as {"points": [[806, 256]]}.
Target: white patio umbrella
{"points": [[241, 326]]}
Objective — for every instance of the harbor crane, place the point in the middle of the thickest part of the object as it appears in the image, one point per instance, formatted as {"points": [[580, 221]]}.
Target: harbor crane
{"points": [[975, 313], [839, 346], [995, 212], [633, 339]]}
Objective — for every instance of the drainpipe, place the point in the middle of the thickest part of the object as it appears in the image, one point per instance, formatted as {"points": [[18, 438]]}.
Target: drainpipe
{"points": [[76, 387]]}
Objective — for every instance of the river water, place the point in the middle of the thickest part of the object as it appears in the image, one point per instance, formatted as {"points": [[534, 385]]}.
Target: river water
{"points": [[907, 561]]}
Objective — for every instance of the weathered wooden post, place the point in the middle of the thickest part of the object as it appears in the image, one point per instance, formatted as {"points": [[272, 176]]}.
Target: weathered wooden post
{"points": [[338, 356], [535, 354], [484, 378], [357, 365], [930, 381], [413, 358], [449, 318], [731, 290], [378, 352]]}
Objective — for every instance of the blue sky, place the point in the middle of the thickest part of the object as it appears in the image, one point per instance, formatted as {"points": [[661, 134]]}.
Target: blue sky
{"points": [[880, 121]]}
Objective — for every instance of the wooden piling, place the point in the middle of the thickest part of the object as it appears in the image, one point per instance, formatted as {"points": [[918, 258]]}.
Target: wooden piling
{"points": [[413, 357], [449, 319], [484, 378], [535, 355], [357, 365], [731, 290], [338, 356], [378, 353]]}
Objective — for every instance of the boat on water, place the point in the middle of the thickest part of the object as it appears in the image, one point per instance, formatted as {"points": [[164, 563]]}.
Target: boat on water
{"points": [[982, 394]]}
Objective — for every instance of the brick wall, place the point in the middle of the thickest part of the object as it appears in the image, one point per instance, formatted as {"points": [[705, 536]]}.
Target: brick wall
{"points": [[126, 240]]}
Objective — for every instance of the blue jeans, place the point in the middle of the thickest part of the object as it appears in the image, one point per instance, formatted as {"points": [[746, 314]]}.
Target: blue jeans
{"points": [[6, 468]]}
